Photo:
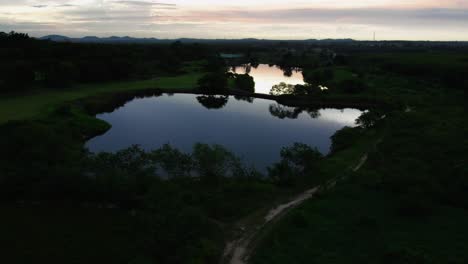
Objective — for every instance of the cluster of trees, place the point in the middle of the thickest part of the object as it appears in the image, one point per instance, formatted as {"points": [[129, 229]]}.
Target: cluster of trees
{"points": [[216, 79], [28, 62]]}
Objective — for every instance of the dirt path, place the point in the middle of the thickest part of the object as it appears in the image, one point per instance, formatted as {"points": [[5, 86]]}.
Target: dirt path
{"points": [[238, 251]]}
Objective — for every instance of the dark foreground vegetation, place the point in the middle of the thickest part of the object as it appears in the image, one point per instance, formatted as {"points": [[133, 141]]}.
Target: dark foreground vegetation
{"points": [[177, 206], [407, 204]]}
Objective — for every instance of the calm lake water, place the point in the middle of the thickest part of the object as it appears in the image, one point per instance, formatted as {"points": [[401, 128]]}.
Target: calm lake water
{"points": [[255, 130], [266, 76]]}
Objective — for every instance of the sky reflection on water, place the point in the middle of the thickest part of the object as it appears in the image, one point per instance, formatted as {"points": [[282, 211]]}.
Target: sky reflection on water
{"points": [[251, 130]]}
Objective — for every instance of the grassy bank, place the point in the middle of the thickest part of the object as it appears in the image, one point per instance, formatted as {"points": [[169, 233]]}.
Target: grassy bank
{"points": [[39, 103]]}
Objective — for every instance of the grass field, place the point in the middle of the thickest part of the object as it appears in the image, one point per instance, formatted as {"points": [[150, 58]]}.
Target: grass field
{"points": [[41, 101]]}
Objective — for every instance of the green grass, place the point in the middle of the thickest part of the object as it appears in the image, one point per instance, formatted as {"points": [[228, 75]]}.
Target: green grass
{"points": [[41, 101]]}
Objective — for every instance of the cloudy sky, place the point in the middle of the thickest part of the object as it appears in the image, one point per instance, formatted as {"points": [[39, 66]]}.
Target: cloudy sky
{"points": [[273, 19]]}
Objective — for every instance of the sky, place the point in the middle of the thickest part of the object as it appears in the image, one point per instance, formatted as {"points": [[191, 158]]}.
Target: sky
{"points": [[234, 19]]}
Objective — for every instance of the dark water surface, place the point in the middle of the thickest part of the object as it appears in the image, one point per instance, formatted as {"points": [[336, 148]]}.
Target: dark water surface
{"points": [[256, 131]]}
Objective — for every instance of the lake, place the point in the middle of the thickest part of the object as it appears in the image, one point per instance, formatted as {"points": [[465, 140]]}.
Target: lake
{"points": [[265, 76], [254, 129]]}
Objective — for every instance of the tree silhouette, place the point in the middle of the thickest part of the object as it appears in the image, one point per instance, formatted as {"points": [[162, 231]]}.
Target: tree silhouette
{"points": [[245, 82]]}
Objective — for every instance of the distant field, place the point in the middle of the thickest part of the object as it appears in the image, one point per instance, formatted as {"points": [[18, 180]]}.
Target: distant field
{"points": [[38, 102]]}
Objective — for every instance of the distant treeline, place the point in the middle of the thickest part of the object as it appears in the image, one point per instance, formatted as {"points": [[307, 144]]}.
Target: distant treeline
{"points": [[27, 62]]}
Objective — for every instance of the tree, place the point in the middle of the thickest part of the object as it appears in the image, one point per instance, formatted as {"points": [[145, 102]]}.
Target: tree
{"points": [[282, 88], [212, 162], [282, 174], [297, 161], [245, 82], [215, 82], [369, 119], [172, 161], [301, 157]]}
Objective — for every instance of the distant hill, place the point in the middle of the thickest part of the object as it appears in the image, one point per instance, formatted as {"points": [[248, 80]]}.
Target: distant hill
{"points": [[126, 39], [94, 39], [254, 41]]}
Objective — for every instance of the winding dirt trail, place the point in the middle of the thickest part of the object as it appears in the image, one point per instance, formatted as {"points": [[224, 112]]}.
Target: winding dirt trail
{"points": [[238, 251]]}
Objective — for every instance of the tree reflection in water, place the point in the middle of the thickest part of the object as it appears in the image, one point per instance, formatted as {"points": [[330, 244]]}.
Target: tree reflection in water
{"points": [[282, 111], [244, 98], [213, 101]]}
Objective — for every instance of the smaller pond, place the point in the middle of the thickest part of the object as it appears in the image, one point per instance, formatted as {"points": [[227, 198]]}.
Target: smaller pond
{"points": [[254, 129], [265, 76]]}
